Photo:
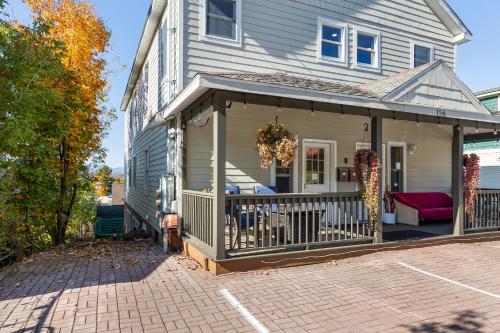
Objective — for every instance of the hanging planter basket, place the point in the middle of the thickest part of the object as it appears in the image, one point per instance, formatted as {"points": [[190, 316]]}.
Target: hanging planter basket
{"points": [[275, 141], [471, 182], [366, 166]]}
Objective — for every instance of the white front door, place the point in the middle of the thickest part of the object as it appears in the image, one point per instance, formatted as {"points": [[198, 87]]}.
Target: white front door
{"points": [[317, 166]]}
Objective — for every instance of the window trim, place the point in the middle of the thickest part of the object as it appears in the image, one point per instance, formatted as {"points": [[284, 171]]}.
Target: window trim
{"points": [[146, 170], [344, 27], [377, 63], [134, 171], [163, 37], [421, 44], [218, 39]]}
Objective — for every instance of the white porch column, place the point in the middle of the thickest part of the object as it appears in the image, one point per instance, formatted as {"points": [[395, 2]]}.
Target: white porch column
{"points": [[219, 176], [376, 139], [458, 180]]}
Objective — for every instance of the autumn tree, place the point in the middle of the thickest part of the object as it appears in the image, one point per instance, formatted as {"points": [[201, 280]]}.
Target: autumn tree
{"points": [[36, 92], [103, 180], [85, 38]]}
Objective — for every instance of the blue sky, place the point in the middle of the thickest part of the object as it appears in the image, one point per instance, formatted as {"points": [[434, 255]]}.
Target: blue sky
{"points": [[478, 61]]}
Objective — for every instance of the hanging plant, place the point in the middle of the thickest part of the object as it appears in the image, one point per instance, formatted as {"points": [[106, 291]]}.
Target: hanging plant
{"points": [[366, 165], [471, 182], [275, 141]]}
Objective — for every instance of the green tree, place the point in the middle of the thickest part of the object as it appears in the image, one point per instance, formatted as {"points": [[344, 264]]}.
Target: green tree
{"points": [[35, 88]]}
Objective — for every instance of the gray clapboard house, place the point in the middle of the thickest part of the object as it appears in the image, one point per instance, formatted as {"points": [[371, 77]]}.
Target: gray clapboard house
{"points": [[342, 75]]}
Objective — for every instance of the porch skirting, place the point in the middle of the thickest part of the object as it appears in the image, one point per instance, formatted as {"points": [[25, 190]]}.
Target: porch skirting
{"points": [[195, 250]]}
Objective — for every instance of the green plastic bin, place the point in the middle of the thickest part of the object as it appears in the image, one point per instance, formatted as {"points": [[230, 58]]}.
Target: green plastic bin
{"points": [[106, 227]]}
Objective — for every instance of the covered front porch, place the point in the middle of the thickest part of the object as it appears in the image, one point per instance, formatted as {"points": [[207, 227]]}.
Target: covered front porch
{"points": [[232, 207]]}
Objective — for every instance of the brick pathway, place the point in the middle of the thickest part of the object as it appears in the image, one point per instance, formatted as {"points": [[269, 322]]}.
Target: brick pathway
{"points": [[370, 294]]}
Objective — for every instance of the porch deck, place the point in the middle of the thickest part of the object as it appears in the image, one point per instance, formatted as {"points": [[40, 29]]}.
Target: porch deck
{"points": [[269, 224]]}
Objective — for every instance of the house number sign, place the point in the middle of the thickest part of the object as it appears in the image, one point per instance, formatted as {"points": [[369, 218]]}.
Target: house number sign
{"points": [[441, 113]]}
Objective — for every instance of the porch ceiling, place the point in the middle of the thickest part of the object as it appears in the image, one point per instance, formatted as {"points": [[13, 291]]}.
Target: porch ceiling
{"points": [[450, 101]]}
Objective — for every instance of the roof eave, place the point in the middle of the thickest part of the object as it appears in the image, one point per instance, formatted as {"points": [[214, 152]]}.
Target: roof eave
{"points": [[204, 82], [461, 34], [153, 20]]}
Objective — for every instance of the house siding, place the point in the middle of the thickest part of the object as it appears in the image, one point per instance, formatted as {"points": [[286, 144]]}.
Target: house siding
{"points": [[428, 169], [280, 36], [140, 199], [491, 103], [152, 136]]}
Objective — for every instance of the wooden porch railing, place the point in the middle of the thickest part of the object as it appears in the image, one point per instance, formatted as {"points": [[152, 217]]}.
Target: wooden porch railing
{"points": [[294, 220], [487, 211], [197, 216]]}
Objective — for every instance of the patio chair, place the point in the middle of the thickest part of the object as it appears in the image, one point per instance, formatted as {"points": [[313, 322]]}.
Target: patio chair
{"points": [[239, 216]]}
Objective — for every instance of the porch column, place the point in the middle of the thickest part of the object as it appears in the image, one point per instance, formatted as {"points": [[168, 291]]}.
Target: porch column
{"points": [[219, 177], [179, 163], [376, 139], [458, 180]]}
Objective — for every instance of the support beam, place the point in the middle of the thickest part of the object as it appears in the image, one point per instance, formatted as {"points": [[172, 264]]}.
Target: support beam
{"points": [[457, 175], [376, 139], [179, 172], [219, 176]]}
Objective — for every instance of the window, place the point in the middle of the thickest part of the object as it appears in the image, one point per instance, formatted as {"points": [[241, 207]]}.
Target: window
{"points": [[129, 180], [134, 172], [367, 50], [163, 41], [146, 171], [221, 21], [332, 41], [131, 116], [146, 80], [315, 166], [421, 54]]}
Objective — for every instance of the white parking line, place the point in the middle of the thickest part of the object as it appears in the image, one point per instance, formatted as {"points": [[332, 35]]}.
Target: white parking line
{"points": [[248, 316], [450, 281]]}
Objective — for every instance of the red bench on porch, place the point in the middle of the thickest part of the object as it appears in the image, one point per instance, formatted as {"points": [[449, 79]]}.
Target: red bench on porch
{"points": [[413, 208]]}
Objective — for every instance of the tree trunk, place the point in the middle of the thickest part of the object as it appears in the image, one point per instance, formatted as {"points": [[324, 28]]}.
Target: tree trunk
{"points": [[63, 188]]}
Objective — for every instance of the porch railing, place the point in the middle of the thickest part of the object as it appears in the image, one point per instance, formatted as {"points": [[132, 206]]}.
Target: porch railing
{"points": [[197, 216], [282, 221], [487, 211]]}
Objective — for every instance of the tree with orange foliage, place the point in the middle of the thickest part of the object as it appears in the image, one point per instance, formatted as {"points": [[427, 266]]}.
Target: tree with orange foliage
{"points": [[85, 40]]}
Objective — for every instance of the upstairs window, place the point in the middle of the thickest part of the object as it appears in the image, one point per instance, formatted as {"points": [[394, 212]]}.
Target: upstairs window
{"points": [[163, 41], [134, 172], [332, 41], [146, 171], [221, 21], [422, 54], [221, 18], [367, 49]]}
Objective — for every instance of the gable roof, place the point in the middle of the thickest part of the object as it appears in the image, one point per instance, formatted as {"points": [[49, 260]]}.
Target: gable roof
{"points": [[431, 85], [437, 85], [451, 20]]}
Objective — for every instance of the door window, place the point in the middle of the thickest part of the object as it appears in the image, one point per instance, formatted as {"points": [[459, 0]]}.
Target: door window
{"points": [[315, 166], [397, 169]]}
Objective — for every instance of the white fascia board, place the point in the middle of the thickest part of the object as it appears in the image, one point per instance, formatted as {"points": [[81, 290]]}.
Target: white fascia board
{"points": [[148, 33], [202, 83], [193, 91]]}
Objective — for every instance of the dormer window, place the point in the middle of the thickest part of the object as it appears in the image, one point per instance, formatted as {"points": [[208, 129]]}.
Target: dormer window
{"points": [[221, 21], [332, 41], [421, 54], [367, 49]]}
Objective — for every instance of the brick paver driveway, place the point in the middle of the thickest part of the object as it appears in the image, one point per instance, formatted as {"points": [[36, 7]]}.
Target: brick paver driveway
{"points": [[452, 288]]}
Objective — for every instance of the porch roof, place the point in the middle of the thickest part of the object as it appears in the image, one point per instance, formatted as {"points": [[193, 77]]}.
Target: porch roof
{"points": [[430, 90]]}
